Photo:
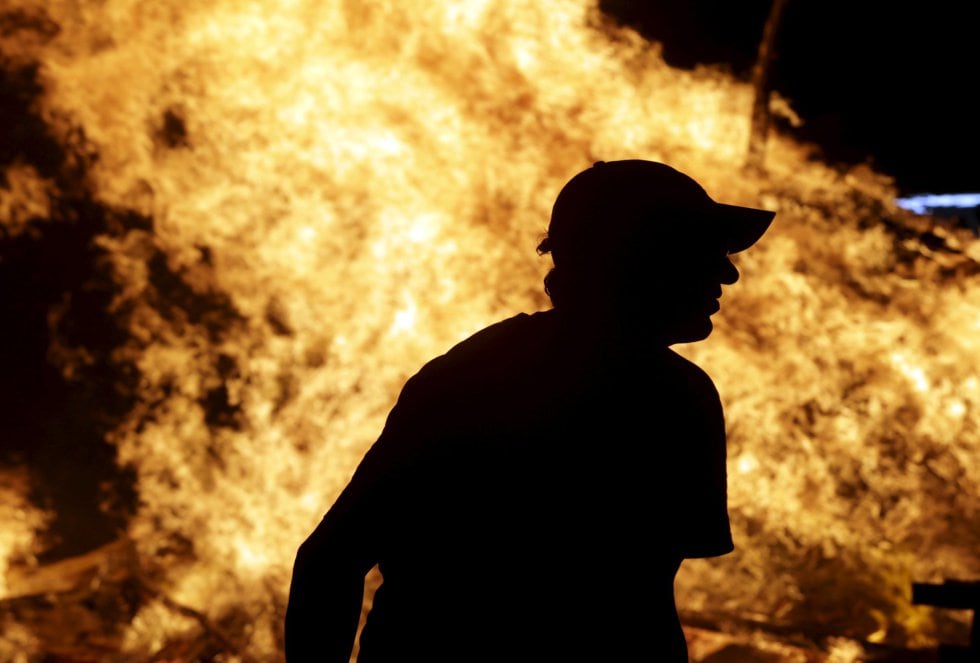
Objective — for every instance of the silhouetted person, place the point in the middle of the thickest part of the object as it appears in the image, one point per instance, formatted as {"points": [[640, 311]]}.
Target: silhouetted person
{"points": [[536, 488]]}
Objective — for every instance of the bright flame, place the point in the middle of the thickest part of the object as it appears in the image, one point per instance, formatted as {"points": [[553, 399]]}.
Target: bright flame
{"points": [[915, 374], [369, 181], [20, 520]]}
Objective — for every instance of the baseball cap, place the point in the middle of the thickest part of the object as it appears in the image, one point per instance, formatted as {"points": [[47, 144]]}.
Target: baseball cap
{"points": [[604, 204]]}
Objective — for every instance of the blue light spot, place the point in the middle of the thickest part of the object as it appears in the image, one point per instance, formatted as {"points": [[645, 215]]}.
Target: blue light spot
{"points": [[926, 203]]}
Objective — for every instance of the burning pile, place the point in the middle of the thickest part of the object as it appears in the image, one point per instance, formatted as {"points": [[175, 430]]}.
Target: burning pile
{"points": [[235, 229]]}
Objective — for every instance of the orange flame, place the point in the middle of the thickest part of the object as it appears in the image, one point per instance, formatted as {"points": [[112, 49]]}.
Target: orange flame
{"points": [[363, 184]]}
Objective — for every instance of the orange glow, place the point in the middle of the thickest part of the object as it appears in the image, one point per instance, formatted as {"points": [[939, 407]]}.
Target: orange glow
{"points": [[364, 184]]}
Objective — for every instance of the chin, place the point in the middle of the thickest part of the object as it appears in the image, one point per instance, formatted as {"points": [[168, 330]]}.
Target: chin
{"points": [[692, 331]]}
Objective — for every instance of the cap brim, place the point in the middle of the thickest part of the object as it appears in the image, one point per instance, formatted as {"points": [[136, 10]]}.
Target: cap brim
{"points": [[743, 226]]}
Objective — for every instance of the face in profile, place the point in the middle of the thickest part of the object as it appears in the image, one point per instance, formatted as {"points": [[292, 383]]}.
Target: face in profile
{"points": [[670, 293]]}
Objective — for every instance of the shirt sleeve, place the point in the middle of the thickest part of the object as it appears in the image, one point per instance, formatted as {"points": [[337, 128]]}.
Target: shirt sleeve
{"points": [[705, 529]]}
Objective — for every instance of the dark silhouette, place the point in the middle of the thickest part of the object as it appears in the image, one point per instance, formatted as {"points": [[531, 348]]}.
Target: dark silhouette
{"points": [[954, 595], [536, 488]]}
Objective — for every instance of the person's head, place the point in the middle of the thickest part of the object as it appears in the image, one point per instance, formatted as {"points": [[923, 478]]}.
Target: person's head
{"points": [[642, 246]]}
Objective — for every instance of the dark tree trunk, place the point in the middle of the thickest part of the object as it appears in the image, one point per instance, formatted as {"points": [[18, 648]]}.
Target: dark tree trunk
{"points": [[762, 86]]}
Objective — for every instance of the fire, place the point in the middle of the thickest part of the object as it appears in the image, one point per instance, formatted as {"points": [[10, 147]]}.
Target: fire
{"points": [[20, 520], [332, 193]]}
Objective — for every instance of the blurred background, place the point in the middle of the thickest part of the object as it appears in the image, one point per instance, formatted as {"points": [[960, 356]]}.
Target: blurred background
{"points": [[230, 231]]}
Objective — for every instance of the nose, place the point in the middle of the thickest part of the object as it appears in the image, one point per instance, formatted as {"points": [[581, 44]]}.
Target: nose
{"points": [[728, 273]]}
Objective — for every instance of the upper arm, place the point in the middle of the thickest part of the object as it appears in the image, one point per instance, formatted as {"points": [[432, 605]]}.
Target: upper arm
{"points": [[709, 533], [355, 528]]}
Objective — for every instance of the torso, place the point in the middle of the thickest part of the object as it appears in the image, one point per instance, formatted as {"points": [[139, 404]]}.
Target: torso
{"points": [[543, 519]]}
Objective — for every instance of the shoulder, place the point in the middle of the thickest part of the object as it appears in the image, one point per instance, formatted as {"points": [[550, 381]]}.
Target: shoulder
{"points": [[497, 353], [695, 380], [510, 336], [688, 370]]}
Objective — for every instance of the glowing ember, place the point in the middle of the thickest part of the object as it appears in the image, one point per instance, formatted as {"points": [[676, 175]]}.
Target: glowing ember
{"points": [[335, 192]]}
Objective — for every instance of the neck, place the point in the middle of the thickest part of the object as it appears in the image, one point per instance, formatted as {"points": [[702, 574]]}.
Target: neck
{"points": [[610, 335]]}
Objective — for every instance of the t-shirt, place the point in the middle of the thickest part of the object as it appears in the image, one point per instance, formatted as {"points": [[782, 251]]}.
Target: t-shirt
{"points": [[530, 497]]}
